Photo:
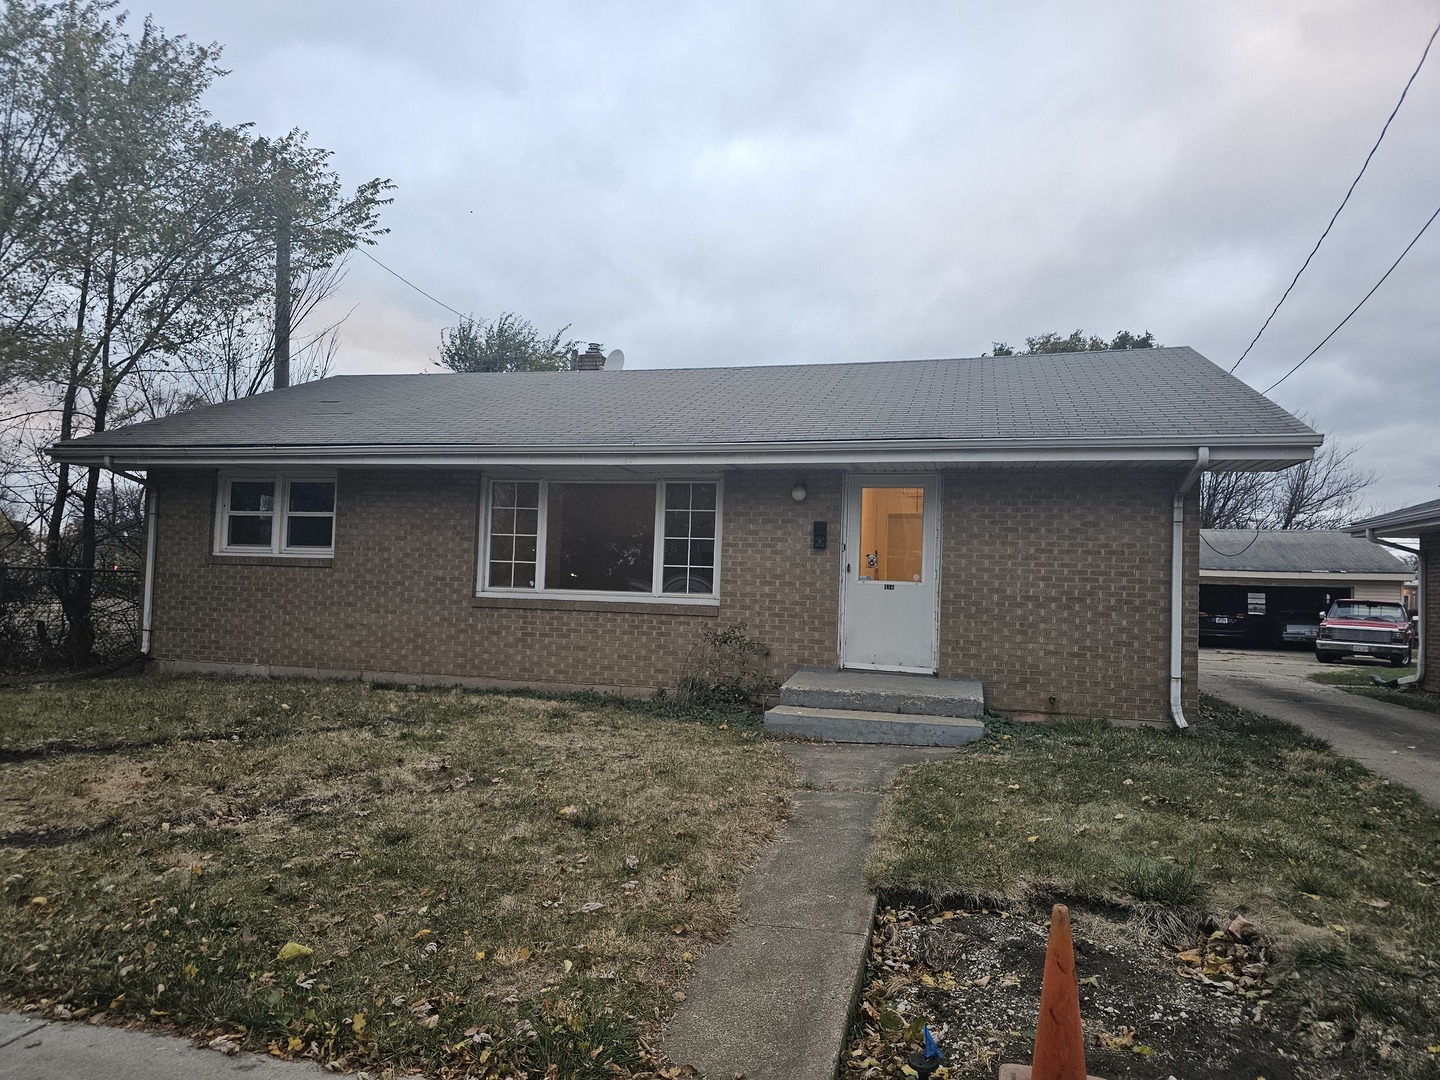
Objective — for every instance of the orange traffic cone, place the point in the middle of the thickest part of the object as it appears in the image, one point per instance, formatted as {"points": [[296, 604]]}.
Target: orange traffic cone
{"points": [[1059, 1043]]}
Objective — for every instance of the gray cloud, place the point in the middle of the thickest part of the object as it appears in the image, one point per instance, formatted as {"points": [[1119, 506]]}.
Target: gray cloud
{"points": [[755, 183]]}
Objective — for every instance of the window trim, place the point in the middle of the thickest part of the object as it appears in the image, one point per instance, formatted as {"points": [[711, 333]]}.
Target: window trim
{"points": [[655, 596], [277, 548]]}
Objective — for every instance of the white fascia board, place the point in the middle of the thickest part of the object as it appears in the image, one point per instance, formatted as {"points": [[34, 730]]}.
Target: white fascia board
{"points": [[1398, 525], [1402, 575], [1278, 451]]}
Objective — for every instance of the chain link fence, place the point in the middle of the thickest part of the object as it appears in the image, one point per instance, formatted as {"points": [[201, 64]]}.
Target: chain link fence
{"points": [[34, 628]]}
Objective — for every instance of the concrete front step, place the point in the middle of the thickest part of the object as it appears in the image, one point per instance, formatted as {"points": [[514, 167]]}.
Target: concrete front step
{"points": [[883, 692], [864, 726]]}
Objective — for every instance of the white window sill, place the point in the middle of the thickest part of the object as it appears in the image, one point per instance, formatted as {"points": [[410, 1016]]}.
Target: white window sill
{"points": [[640, 603]]}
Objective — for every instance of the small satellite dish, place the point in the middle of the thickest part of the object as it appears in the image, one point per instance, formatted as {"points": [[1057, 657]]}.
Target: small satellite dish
{"points": [[615, 361]]}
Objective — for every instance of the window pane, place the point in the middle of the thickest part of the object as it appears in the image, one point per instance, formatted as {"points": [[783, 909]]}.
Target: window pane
{"points": [[677, 552], [600, 537], [249, 531], [677, 523], [309, 531], [312, 497], [702, 553], [685, 579], [677, 496], [702, 496], [252, 495], [702, 523], [512, 535], [891, 534]]}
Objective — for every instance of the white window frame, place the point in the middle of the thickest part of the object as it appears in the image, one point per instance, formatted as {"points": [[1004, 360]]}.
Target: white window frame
{"points": [[654, 596], [282, 480]]}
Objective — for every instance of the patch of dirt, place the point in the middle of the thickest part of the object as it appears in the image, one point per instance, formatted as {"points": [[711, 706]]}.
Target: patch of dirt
{"points": [[120, 783], [1150, 1012]]}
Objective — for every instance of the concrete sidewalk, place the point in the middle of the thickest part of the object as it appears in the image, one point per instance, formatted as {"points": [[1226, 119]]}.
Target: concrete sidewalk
{"points": [[32, 1049], [772, 1001]]}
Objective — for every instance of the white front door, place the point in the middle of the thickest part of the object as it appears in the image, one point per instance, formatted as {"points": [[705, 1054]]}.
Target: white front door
{"points": [[889, 596]]}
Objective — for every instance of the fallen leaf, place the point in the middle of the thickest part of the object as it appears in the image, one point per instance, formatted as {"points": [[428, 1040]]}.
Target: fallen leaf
{"points": [[1378, 905], [1031, 839], [293, 950], [568, 812]]}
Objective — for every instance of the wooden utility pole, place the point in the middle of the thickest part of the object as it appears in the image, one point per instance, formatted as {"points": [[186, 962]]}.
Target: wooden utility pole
{"points": [[282, 293]]}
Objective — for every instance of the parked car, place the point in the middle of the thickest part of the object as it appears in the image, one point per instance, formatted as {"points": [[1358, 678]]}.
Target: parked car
{"points": [[1297, 627], [1225, 625], [1375, 628]]}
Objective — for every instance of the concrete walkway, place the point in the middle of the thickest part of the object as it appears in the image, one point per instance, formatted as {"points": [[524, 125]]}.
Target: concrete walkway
{"points": [[772, 1001], [32, 1049], [1399, 743]]}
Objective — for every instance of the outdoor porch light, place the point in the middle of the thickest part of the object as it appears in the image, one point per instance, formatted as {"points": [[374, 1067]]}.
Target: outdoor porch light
{"points": [[798, 492]]}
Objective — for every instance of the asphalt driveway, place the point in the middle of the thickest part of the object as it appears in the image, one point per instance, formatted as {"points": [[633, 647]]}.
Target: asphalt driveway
{"points": [[1401, 743]]}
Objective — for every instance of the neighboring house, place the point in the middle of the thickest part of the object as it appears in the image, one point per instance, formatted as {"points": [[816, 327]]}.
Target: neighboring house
{"points": [[583, 528], [1251, 577], [1421, 522]]}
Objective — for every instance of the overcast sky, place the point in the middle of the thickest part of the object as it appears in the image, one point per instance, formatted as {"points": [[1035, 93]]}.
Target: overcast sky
{"points": [[780, 182]]}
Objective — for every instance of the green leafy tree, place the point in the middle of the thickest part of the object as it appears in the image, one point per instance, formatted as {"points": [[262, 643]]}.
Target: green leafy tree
{"points": [[510, 343], [131, 225], [1078, 341]]}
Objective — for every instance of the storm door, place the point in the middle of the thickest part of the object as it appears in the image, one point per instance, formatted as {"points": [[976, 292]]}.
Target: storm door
{"points": [[889, 596]]}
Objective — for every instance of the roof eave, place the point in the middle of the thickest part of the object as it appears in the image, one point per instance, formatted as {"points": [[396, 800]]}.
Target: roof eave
{"points": [[1248, 451], [1399, 524]]}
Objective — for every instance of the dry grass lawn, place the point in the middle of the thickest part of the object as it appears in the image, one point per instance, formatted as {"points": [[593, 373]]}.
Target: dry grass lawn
{"points": [[472, 884], [1338, 868]]}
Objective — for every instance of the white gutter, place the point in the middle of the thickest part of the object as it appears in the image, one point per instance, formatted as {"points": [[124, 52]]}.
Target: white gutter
{"points": [[1278, 451], [148, 603], [1177, 587], [1411, 680]]}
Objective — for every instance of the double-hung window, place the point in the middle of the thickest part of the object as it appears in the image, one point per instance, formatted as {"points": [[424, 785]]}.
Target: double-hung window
{"points": [[596, 539], [276, 514]]}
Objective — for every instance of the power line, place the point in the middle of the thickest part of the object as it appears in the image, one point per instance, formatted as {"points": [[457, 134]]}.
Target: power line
{"points": [[412, 285], [1358, 306], [1343, 201]]}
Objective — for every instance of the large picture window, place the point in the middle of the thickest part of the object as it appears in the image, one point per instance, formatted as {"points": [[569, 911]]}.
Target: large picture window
{"points": [[278, 514], [602, 538]]}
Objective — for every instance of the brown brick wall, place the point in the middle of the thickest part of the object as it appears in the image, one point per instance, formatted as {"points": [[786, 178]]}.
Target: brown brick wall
{"points": [[398, 595], [1056, 585], [1053, 584], [1430, 553]]}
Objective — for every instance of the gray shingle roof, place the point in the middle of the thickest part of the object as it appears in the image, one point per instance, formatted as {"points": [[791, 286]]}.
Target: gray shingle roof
{"points": [[1159, 394], [1294, 551]]}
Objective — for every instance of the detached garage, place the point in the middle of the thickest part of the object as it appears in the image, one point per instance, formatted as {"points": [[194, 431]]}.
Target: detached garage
{"points": [[1250, 580]]}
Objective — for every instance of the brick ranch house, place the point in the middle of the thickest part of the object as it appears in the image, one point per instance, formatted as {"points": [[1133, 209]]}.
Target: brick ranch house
{"points": [[1029, 520], [1422, 522]]}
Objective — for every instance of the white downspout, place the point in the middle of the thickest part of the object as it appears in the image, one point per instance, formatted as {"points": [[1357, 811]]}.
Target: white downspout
{"points": [[1410, 680], [148, 603], [1177, 587]]}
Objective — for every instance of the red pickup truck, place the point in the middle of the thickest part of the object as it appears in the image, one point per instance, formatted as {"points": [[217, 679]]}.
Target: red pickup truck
{"points": [[1375, 628]]}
